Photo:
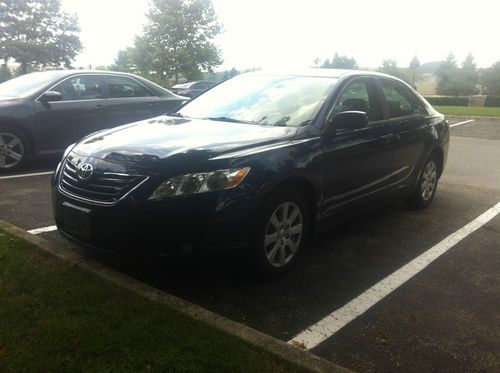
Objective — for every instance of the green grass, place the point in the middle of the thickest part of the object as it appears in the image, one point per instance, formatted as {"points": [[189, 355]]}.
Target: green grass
{"points": [[58, 318], [469, 111]]}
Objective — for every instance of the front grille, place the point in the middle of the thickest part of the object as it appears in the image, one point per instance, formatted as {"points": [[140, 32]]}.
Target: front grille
{"points": [[101, 187]]}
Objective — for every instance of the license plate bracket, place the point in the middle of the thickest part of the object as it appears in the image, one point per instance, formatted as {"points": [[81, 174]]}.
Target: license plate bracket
{"points": [[76, 220]]}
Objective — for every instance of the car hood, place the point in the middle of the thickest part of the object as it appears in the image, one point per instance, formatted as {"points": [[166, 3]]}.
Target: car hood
{"points": [[9, 101], [153, 140]]}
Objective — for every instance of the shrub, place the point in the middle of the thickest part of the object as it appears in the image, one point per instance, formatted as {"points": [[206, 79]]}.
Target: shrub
{"points": [[448, 100], [492, 101]]}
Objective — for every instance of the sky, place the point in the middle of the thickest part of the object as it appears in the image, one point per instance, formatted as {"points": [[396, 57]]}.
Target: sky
{"points": [[292, 33]]}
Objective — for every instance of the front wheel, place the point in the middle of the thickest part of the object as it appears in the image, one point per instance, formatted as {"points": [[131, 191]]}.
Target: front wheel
{"points": [[13, 149], [426, 186], [281, 232]]}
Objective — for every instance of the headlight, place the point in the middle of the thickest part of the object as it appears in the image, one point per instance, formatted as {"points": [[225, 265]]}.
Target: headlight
{"points": [[199, 183]]}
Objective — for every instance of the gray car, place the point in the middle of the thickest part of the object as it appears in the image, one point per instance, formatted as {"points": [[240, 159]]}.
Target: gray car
{"points": [[192, 89], [43, 112]]}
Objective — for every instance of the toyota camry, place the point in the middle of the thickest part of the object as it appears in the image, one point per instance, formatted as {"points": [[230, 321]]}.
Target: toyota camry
{"points": [[257, 163]]}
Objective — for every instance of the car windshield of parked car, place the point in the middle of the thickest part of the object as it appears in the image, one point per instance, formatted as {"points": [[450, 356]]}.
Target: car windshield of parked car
{"points": [[26, 85], [263, 99]]}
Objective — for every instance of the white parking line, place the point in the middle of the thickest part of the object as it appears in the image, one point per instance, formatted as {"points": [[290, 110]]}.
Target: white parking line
{"points": [[43, 230], [26, 175], [325, 328], [459, 123]]}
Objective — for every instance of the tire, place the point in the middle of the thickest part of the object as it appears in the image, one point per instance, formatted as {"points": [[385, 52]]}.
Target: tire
{"points": [[279, 239], [13, 149], [426, 185]]}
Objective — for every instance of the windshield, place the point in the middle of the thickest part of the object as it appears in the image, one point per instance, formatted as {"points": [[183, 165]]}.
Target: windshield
{"points": [[27, 84], [263, 99]]}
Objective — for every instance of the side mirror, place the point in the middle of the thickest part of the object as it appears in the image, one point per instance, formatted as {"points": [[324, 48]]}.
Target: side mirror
{"points": [[50, 96], [348, 120]]}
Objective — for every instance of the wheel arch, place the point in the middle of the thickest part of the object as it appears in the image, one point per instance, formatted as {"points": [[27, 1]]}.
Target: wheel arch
{"points": [[7, 122], [439, 154], [305, 186]]}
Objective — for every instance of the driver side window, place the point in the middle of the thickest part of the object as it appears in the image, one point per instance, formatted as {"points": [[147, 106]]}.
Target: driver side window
{"points": [[357, 96], [80, 87]]}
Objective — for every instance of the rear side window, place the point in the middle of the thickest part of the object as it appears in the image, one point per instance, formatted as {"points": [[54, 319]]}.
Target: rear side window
{"points": [[121, 86], [400, 101], [81, 87], [359, 96]]}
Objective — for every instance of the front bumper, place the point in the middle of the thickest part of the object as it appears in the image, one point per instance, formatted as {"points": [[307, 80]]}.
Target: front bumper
{"points": [[219, 220]]}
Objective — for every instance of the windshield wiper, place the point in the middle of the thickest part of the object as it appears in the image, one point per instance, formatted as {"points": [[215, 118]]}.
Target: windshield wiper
{"points": [[231, 120]]}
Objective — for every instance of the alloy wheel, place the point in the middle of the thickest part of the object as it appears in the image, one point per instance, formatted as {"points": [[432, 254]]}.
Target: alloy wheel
{"points": [[283, 234], [429, 180], [11, 150]]}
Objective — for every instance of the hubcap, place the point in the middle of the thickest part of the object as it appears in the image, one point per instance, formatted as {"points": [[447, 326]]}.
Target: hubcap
{"points": [[11, 150], [429, 179], [283, 234]]}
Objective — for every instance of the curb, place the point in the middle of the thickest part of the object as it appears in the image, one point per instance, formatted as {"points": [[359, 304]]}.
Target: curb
{"points": [[301, 358]]}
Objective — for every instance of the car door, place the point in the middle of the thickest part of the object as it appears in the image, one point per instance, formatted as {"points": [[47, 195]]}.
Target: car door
{"points": [[357, 162], [130, 101], [81, 111], [407, 125]]}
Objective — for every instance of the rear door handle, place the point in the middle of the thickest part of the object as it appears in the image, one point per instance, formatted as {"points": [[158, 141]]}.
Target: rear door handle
{"points": [[98, 107]]}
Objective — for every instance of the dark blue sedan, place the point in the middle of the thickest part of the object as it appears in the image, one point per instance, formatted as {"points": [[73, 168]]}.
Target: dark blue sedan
{"points": [[257, 163]]}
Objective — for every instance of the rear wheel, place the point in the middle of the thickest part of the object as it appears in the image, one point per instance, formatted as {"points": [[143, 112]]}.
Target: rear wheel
{"points": [[13, 149], [426, 185], [281, 232]]}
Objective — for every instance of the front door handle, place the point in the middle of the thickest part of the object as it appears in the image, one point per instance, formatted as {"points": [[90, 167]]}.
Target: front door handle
{"points": [[98, 107]]}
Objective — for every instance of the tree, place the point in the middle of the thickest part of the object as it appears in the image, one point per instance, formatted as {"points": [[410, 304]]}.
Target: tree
{"points": [[316, 63], [123, 61], [446, 74], [5, 73], [391, 67], [469, 75], [37, 32], [455, 81], [228, 74], [340, 62], [178, 39], [490, 79]]}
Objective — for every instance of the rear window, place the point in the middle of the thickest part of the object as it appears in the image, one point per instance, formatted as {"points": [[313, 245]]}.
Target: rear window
{"points": [[121, 87]]}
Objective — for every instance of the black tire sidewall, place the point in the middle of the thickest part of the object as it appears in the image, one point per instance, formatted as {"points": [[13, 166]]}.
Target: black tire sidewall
{"points": [[416, 201], [269, 206], [20, 135]]}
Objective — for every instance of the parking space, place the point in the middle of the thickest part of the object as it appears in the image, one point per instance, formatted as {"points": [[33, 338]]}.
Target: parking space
{"points": [[445, 318]]}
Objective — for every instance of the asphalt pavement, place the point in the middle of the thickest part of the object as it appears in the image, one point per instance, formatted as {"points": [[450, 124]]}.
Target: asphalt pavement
{"points": [[445, 318]]}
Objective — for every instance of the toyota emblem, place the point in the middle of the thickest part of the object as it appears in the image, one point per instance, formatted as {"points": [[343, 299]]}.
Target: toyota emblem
{"points": [[85, 171]]}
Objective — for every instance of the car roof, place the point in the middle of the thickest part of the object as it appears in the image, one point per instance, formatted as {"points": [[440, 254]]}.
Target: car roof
{"points": [[72, 72], [189, 84], [151, 85], [320, 72]]}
